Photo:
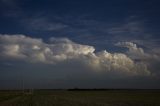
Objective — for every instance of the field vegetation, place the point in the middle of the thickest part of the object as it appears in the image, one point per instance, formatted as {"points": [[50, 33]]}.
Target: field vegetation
{"points": [[80, 98]]}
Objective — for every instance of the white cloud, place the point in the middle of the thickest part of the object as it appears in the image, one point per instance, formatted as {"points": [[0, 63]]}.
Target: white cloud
{"points": [[12, 51], [62, 49], [117, 63], [133, 51], [137, 53], [149, 58]]}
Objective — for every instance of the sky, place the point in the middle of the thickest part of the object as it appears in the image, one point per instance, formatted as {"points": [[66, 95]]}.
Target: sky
{"points": [[56, 44]]}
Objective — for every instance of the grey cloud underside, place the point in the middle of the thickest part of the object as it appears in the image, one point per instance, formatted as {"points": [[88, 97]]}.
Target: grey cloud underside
{"points": [[59, 50]]}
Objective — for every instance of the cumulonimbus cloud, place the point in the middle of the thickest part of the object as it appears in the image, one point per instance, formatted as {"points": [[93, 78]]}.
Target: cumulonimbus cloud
{"points": [[133, 51], [34, 50], [137, 53]]}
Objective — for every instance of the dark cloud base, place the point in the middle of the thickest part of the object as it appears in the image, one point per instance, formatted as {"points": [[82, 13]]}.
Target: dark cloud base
{"points": [[63, 63]]}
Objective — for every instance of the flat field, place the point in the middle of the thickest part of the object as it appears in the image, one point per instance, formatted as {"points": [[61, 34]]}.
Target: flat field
{"points": [[80, 98]]}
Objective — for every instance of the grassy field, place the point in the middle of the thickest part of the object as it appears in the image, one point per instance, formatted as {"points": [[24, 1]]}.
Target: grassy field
{"points": [[81, 98]]}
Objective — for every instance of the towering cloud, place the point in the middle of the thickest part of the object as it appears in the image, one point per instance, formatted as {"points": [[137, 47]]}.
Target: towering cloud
{"points": [[137, 53], [59, 50], [133, 51]]}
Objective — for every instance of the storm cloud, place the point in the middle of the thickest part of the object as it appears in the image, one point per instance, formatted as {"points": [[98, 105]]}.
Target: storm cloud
{"points": [[59, 50]]}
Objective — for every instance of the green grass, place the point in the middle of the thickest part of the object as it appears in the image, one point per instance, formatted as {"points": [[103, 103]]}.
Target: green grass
{"points": [[81, 98]]}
